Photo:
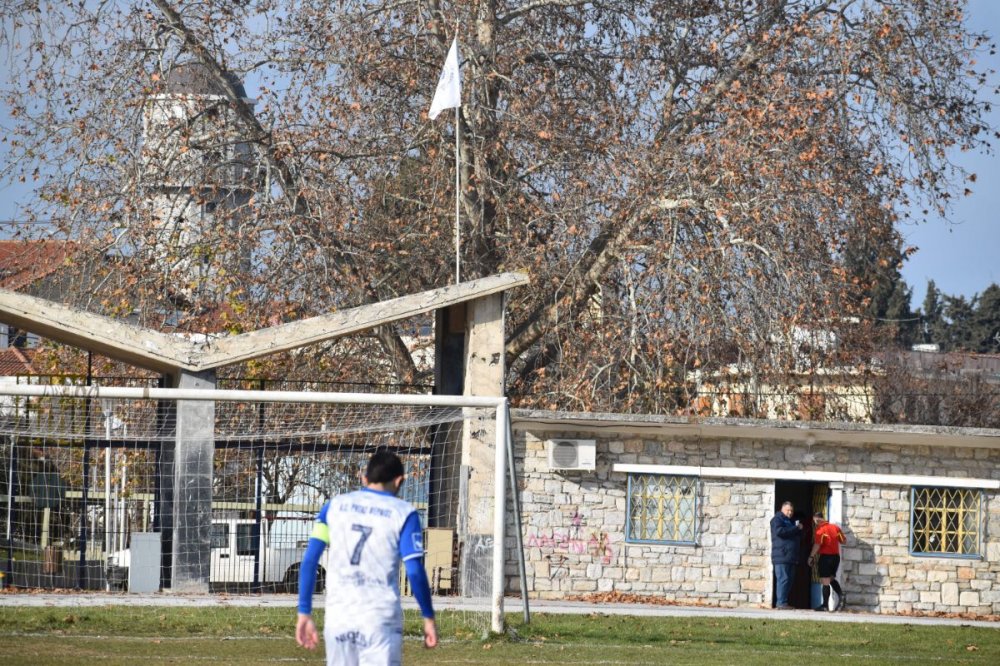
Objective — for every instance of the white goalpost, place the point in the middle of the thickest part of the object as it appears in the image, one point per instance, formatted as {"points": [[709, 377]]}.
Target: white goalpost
{"points": [[218, 487]]}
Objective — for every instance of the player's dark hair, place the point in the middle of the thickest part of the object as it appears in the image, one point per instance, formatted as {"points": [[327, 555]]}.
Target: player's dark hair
{"points": [[384, 466], [787, 503]]}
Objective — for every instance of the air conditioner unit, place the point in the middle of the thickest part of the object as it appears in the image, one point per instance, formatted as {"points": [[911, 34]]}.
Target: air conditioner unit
{"points": [[568, 454]]}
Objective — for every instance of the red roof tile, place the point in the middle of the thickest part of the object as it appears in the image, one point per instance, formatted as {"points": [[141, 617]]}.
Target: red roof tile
{"points": [[16, 361], [25, 262]]}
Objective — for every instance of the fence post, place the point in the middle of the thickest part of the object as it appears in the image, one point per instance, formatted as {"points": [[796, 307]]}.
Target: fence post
{"points": [[81, 571]]}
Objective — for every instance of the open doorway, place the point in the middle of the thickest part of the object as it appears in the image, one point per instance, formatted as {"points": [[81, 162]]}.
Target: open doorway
{"points": [[807, 497]]}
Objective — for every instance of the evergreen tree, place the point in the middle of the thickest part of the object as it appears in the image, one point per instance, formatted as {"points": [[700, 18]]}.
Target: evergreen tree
{"points": [[986, 320], [886, 296], [895, 310], [961, 333], [933, 328]]}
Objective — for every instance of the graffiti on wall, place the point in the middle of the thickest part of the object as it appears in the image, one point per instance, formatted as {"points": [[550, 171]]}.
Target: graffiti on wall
{"points": [[595, 543]]}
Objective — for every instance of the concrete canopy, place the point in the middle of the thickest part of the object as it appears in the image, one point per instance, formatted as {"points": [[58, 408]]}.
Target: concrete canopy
{"points": [[169, 354]]}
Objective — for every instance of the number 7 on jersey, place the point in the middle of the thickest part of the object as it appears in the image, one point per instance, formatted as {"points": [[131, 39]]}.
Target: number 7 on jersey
{"points": [[365, 533]]}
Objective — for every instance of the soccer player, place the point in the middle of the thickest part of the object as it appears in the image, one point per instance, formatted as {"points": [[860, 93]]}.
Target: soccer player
{"points": [[368, 532], [827, 542]]}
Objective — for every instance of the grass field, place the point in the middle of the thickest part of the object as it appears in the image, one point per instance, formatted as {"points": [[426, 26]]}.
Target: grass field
{"points": [[129, 635]]}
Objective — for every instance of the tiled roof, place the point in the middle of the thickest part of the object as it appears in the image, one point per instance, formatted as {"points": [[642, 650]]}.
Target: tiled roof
{"points": [[194, 78], [25, 262], [16, 361]]}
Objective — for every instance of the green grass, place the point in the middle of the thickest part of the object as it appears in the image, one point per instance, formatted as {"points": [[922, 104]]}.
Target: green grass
{"points": [[21, 555], [153, 635]]}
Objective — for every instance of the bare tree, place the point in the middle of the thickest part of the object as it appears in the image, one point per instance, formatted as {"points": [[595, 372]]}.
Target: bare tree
{"points": [[941, 389], [680, 179]]}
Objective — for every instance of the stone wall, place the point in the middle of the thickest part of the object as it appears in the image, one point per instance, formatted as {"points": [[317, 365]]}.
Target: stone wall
{"points": [[884, 577], [575, 536]]}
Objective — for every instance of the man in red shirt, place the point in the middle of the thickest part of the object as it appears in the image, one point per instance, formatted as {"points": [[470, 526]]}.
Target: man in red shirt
{"points": [[826, 543]]}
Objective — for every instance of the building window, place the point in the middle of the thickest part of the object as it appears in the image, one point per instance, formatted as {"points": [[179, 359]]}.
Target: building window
{"points": [[662, 509], [945, 521]]}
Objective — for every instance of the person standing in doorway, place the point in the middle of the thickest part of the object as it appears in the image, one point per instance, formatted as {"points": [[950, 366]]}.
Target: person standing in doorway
{"points": [[826, 544], [366, 534], [786, 538]]}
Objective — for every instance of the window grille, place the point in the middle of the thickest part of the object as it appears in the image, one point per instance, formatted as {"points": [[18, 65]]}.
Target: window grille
{"points": [[662, 509], [945, 521]]}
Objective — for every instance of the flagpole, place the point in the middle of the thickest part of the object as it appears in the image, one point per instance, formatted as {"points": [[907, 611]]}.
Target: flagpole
{"points": [[458, 184], [447, 96]]}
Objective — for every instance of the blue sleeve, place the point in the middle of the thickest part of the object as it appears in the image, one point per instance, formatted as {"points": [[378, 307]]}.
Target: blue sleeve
{"points": [[318, 541], [419, 585], [307, 574], [787, 531], [411, 538], [411, 551], [782, 528]]}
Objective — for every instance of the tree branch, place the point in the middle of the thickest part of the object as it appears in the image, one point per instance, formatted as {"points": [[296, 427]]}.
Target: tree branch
{"points": [[602, 249], [290, 180], [515, 14]]}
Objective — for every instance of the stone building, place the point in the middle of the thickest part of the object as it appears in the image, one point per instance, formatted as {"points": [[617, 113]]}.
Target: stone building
{"points": [[679, 509]]}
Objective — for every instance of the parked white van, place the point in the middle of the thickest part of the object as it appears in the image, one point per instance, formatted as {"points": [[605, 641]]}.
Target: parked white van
{"points": [[233, 555]]}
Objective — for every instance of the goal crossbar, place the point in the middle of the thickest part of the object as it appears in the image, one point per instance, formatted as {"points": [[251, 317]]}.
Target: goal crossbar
{"points": [[237, 395]]}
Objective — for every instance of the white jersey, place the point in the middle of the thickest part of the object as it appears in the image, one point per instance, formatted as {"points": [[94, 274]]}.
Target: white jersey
{"points": [[367, 541]]}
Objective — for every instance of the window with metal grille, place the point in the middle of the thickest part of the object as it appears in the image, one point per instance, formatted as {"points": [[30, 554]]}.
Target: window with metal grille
{"points": [[662, 509], [945, 521]]}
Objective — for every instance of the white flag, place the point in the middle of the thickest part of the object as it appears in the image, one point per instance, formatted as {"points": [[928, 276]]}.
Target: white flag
{"points": [[449, 91]]}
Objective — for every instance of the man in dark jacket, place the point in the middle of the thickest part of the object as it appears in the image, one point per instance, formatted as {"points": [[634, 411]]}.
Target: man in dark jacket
{"points": [[785, 537]]}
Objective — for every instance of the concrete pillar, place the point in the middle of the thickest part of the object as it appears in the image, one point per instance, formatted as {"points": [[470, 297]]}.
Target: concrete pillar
{"points": [[837, 516], [192, 457], [836, 502], [469, 352], [484, 376]]}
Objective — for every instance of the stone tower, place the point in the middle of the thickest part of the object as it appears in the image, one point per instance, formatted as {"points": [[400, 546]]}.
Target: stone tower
{"points": [[198, 171]]}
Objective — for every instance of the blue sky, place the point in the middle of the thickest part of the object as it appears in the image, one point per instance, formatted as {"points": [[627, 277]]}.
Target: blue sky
{"points": [[960, 255]]}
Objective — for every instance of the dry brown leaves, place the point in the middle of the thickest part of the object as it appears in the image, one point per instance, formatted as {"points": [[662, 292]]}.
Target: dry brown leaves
{"points": [[952, 616], [628, 598]]}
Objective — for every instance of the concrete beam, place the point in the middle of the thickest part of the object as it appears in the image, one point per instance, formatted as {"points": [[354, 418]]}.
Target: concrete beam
{"points": [[770, 473], [168, 354], [109, 337], [867, 434], [227, 351]]}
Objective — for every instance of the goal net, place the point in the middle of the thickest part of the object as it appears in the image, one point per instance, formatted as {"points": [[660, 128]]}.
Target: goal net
{"points": [[141, 490]]}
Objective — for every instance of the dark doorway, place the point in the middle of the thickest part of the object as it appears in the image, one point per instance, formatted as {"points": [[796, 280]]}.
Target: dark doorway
{"points": [[807, 497]]}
